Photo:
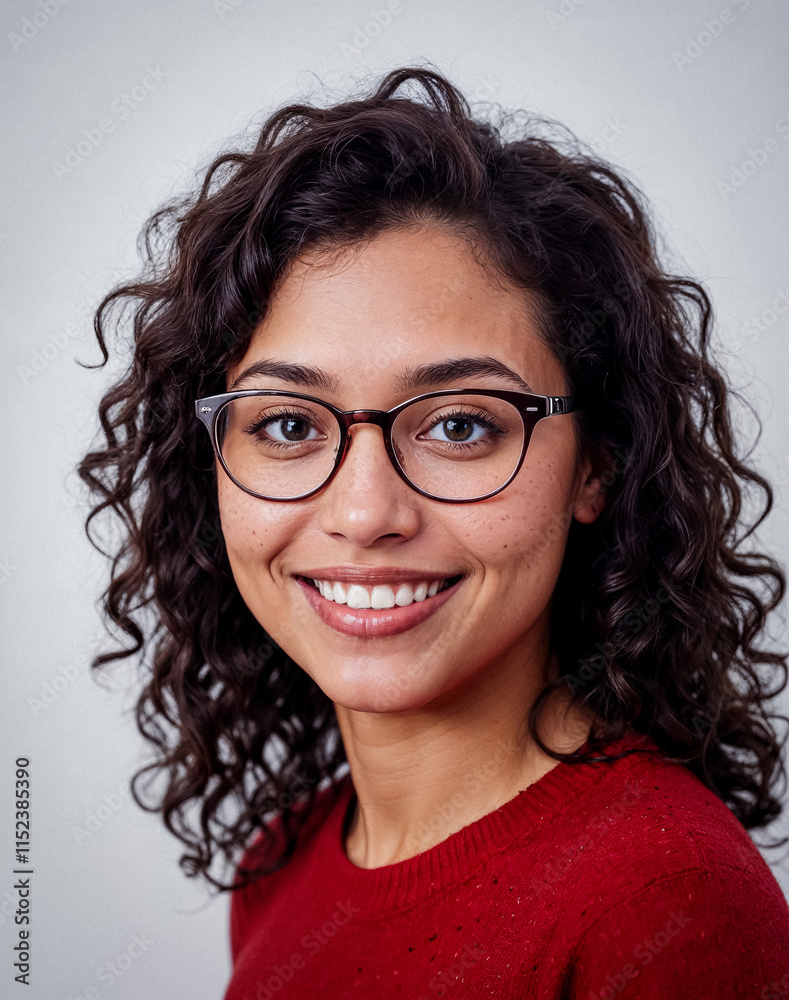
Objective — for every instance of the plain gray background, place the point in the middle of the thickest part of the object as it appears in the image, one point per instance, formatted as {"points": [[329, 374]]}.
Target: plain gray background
{"points": [[690, 97]]}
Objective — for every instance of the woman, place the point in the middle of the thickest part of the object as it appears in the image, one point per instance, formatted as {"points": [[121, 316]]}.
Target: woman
{"points": [[448, 616]]}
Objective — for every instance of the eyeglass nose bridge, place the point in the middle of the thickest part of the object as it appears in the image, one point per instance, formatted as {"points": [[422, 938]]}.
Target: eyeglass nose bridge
{"points": [[378, 418]]}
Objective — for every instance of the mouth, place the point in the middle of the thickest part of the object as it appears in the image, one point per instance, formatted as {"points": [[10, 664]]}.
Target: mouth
{"points": [[377, 611], [381, 596]]}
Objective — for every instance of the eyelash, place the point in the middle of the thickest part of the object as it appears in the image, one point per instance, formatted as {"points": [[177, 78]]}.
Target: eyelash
{"points": [[258, 425], [477, 417]]}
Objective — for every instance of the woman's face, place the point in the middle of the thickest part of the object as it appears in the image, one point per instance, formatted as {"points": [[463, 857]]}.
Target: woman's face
{"points": [[407, 299]]}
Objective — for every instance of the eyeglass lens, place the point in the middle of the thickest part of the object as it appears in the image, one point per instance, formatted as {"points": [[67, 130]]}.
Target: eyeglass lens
{"points": [[455, 447]]}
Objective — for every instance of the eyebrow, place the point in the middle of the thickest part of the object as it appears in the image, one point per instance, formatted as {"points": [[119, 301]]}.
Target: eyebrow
{"points": [[315, 378], [437, 373], [442, 372]]}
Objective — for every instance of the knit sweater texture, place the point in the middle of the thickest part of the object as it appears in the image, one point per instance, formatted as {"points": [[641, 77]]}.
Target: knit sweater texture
{"points": [[621, 880]]}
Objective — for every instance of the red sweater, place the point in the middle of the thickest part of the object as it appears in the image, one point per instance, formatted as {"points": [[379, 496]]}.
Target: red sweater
{"points": [[599, 881]]}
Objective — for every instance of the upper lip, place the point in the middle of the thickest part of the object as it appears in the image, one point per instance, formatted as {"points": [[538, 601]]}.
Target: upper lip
{"points": [[374, 574]]}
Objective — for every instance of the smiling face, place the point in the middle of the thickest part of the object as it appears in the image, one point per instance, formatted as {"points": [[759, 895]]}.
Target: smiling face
{"points": [[482, 573]]}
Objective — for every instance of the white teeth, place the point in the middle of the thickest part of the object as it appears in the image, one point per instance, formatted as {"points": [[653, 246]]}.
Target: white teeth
{"points": [[379, 597], [382, 597], [358, 597]]}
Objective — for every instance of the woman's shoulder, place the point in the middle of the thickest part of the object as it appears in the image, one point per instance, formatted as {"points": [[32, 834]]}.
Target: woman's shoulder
{"points": [[646, 806], [649, 840], [644, 814], [644, 858]]}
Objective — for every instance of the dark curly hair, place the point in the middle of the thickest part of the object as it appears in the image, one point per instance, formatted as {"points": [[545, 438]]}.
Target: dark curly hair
{"points": [[660, 603]]}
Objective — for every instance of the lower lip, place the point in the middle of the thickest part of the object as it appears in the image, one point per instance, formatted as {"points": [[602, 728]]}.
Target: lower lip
{"points": [[374, 623]]}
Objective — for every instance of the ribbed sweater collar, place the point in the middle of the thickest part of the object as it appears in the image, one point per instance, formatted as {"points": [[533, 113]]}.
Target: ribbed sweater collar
{"points": [[379, 891]]}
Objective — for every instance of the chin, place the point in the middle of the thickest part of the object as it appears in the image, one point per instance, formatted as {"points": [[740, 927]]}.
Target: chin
{"points": [[379, 690]]}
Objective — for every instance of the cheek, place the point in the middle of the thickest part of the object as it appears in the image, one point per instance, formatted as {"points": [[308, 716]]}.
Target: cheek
{"points": [[524, 529], [256, 533], [519, 545], [253, 529]]}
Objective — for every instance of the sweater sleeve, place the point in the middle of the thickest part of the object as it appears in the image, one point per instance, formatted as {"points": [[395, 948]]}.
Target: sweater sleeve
{"points": [[695, 935]]}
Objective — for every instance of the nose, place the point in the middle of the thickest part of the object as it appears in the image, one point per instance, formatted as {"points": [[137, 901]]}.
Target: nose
{"points": [[367, 501]]}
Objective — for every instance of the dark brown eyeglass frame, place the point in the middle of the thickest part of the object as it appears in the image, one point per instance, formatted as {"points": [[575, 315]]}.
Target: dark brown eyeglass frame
{"points": [[531, 407]]}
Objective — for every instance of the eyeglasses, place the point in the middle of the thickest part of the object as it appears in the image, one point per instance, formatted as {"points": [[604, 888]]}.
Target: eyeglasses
{"points": [[456, 446]]}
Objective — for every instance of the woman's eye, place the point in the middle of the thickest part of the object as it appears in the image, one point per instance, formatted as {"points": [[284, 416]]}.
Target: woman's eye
{"points": [[457, 430], [283, 428], [292, 429]]}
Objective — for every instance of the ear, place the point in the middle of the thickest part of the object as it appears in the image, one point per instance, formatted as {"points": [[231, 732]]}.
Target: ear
{"points": [[594, 478]]}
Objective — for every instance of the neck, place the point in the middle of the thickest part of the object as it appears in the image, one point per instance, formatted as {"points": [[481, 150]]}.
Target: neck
{"points": [[422, 776]]}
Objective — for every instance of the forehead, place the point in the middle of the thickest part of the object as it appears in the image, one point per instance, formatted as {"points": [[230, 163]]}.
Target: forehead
{"points": [[404, 299]]}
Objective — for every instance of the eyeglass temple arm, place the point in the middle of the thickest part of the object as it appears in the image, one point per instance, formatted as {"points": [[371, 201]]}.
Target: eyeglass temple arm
{"points": [[561, 404]]}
